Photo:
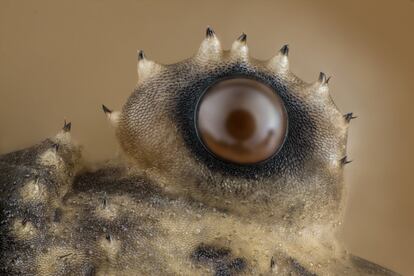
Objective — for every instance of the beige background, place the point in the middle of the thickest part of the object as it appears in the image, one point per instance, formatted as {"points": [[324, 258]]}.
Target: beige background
{"points": [[62, 59]]}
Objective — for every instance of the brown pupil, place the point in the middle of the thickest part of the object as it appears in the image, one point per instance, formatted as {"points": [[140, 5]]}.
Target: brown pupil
{"points": [[241, 120], [240, 124]]}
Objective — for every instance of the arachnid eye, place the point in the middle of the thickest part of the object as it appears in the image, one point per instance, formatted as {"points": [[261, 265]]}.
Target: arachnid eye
{"points": [[241, 120]]}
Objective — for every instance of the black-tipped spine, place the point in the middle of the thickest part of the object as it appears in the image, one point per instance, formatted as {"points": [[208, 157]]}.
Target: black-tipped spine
{"points": [[285, 50], [210, 32], [349, 116], [322, 78], [104, 201], [272, 263], [108, 237], [140, 55], [328, 79], [242, 38], [106, 110], [67, 126], [345, 160], [56, 146], [65, 256]]}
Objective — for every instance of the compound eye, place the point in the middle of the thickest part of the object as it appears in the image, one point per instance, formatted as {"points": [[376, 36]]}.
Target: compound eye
{"points": [[241, 120]]}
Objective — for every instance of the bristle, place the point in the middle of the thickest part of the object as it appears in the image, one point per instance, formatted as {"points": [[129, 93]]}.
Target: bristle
{"points": [[280, 62], [210, 32], [320, 86], [239, 48], [285, 50], [113, 116], [140, 55], [345, 160], [349, 116], [322, 78], [67, 126], [56, 146], [210, 48], [104, 201], [272, 263], [242, 38], [145, 67], [328, 79], [108, 237], [106, 110]]}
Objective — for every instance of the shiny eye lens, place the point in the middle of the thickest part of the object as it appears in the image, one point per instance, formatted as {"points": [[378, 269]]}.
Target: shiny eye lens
{"points": [[241, 120]]}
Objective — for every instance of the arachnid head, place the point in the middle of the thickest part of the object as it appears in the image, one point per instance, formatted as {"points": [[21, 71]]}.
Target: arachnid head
{"points": [[239, 134]]}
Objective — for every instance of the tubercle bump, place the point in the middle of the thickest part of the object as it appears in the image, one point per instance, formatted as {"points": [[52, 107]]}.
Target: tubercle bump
{"points": [[212, 52]]}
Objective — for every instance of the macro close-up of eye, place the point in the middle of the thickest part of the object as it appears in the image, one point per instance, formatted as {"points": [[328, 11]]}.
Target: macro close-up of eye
{"points": [[241, 120], [138, 139]]}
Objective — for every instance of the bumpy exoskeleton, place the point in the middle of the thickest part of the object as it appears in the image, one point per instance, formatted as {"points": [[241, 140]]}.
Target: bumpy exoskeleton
{"points": [[234, 166]]}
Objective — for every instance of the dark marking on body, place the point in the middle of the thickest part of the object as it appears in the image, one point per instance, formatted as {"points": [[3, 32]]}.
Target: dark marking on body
{"points": [[220, 259]]}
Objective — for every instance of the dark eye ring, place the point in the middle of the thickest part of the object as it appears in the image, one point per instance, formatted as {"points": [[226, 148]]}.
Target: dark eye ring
{"points": [[241, 120]]}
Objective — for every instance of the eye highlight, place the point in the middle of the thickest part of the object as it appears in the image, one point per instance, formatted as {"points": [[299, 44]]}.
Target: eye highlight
{"points": [[241, 120]]}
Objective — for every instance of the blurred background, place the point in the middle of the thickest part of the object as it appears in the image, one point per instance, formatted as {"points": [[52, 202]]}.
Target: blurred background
{"points": [[62, 59]]}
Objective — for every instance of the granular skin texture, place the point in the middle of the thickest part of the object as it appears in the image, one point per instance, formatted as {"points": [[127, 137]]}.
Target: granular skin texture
{"points": [[170, 207]]}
